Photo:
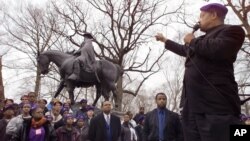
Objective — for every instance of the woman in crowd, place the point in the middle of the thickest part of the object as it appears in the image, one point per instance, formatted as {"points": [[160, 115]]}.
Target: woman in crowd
{"points": [[128, 132], [35, 129]]}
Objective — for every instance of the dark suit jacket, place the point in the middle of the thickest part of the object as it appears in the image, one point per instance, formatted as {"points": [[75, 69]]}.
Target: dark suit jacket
{"points": [[97, 128], [209, 83], [172, 130]]}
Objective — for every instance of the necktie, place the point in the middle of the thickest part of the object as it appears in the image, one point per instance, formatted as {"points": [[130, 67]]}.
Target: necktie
{"points": [[161, 124], [108, 120], [109, 137]]}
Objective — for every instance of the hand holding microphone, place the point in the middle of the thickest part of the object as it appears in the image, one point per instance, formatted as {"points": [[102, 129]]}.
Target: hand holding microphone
{"points": [[196, 27], [188, 38]]}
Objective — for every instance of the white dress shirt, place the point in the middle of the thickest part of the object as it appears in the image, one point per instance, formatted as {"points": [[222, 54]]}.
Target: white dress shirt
{"points": [[107, 117]]}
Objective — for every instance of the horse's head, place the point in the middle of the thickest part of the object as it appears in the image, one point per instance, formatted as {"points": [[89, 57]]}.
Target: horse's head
{"points": [[43, 63]]}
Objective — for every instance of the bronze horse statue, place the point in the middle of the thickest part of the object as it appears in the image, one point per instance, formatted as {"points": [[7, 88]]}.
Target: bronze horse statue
{"points": [[108, 74]]}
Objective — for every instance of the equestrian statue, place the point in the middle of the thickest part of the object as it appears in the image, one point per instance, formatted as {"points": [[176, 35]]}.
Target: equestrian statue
{"points": [[82, 70]]}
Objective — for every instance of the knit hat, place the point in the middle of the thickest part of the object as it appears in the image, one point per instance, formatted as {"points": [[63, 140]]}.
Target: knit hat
{"points": [[89, 107], [9, 107], [83, 101], [81, 117], [66, 117], [64, 110], [243, 117], [220, 9]]}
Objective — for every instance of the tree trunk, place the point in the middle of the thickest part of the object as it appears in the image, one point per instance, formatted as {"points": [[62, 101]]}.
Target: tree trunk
{"points": [[118, 99], [2, 97], [38, 83], [246, 108]]}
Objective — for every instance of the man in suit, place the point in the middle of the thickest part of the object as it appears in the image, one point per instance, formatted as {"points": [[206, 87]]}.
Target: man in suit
{"points": [[210, 98], [105, 126], [161, 124]]}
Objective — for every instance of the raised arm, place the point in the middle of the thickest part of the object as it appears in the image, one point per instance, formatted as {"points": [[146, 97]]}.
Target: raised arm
{"points": [[172, 46]]}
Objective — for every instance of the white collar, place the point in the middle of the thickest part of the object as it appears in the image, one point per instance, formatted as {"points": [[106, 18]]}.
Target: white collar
{"points": [[105, 115]]}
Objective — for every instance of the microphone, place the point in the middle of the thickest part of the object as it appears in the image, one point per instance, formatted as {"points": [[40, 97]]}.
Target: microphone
{"points": [[196, 27]]}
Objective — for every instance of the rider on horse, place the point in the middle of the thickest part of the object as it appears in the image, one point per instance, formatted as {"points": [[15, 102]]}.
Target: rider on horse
{"points": [[85, 60]]}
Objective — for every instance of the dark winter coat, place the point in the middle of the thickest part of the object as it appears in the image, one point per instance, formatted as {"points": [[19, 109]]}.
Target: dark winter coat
{"points": [[209, 83], [172, 127]]}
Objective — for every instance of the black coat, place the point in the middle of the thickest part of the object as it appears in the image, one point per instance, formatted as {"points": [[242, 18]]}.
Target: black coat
{"points": [[83, 132], [172, 127], [3, 125], [97, 128], [59, 123], [209, 83], [139, 132]]}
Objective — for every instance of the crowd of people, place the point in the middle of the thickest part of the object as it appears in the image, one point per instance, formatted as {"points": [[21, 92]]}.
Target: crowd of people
{"points": [[37, 120]]}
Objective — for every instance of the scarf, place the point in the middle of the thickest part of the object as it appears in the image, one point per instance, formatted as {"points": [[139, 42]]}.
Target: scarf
{"points": [[37, 124]]}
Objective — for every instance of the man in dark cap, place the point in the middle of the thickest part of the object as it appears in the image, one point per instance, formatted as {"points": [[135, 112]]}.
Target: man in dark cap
{"points": [[82, 128], [218, 9], [91, 113], [86, 58], [83, 109], [210, 98], [139, 114], [42, 104], [68, 132]]}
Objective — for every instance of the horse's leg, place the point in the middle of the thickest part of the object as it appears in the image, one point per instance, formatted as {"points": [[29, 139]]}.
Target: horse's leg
{"points": [[106, 94], [98, 94], [114, 91], [70, 89], [115, 97], [59, 89]]}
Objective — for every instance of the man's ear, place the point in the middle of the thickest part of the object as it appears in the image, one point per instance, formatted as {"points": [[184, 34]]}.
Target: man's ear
{"points": [[214, 15]]}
